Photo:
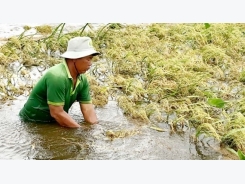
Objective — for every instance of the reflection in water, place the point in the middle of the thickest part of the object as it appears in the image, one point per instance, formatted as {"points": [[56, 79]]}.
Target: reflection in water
{"points": [[39, 141]]}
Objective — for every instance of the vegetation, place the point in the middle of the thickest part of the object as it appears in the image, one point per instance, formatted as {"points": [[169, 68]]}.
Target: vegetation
{"points": [[182, 74]]}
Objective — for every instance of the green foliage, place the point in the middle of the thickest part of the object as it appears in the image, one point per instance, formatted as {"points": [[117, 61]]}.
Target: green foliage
{"points": [[216, 102], [207, 25], [241, 155]]}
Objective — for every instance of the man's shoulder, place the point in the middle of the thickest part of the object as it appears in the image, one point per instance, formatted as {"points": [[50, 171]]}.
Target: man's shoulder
{"points": [[56, 70], [56, 67]]}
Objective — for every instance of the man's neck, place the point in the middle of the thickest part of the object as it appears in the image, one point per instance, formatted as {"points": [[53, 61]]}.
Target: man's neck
{"points": [[72, 68]]}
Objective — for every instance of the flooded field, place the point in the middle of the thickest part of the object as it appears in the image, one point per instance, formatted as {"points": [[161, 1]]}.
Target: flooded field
{"points": [[116, 137]]}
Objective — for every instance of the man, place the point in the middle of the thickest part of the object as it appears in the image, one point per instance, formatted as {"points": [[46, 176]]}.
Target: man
{"points": [[61, 86]]}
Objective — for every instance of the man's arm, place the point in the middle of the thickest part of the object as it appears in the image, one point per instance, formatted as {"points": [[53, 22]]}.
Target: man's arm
{"points": [[89, 113], [61, 116]]}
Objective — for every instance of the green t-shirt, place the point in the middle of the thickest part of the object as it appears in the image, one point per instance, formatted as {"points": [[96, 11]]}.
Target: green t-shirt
{"points": [[55, 87]]}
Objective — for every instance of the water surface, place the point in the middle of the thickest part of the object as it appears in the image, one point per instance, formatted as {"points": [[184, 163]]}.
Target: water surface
{"points": [[39, 141]]}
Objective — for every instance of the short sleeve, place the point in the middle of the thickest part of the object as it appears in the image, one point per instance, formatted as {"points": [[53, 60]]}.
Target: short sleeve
{"points": [[84, 91], [55, 90]]}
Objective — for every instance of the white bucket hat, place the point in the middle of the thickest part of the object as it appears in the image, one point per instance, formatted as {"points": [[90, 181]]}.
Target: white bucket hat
{"points": [[79, 47]]}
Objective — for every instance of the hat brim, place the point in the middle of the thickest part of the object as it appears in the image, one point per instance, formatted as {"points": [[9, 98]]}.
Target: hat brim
{"points": [[76, 55]]}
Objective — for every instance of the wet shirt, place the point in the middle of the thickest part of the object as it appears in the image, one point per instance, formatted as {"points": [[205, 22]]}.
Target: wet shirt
{"points": [[55, 87]]}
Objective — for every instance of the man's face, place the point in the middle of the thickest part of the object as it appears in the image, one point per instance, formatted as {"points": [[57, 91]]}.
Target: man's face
{"points": [[83, 64]]}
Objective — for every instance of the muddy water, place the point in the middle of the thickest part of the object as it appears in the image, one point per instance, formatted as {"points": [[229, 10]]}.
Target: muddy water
{"points": [[29, 141]]}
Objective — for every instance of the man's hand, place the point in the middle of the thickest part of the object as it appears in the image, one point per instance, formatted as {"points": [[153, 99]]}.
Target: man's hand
{"points": [[89, 113]]}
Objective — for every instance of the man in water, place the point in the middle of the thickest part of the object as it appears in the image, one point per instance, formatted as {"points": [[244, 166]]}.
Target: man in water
{"points": [[61, 86]]}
